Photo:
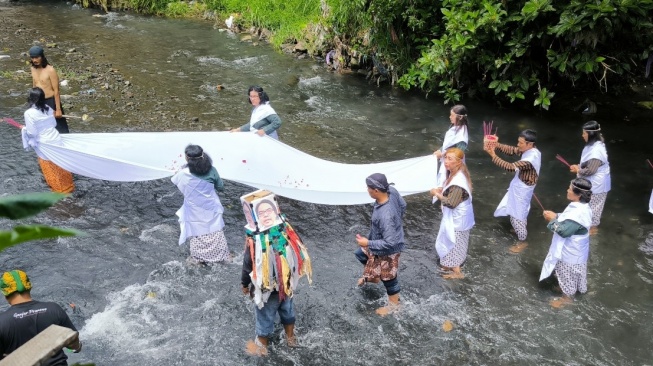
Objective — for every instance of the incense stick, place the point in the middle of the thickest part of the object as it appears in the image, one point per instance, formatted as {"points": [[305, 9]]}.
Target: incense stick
{"points": [[538, 201], [649, 163], [12, 122], [562, 160]]}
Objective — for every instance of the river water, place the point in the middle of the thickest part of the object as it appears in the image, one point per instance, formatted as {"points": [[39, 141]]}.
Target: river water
{"points": [[136, 301]]}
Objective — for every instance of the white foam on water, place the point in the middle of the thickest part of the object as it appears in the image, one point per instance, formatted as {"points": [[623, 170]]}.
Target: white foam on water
{"points": [[311, 82], [149, 235]]}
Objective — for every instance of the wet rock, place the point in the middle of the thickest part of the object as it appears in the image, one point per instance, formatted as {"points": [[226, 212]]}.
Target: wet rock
{"points": [[246, 38], [128, 83], [71, 50], [4, 57], [51, 45], [107, 86], [300, 47], [196, 119]]}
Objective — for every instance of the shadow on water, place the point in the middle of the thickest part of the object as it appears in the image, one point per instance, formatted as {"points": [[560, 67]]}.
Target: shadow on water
{"points": [[137, 302]]}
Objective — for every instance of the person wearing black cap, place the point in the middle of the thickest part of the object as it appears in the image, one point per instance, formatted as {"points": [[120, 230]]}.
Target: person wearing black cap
{"points": [[26, 317], [45, 77], [379, 252]]}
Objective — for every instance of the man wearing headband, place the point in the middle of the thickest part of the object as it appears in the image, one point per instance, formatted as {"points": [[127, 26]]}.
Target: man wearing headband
{"points": [[594, 166], [516, 203], [26, 318], [45, 77], [379, 252]]}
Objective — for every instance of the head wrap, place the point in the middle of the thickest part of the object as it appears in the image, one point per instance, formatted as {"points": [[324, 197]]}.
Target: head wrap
{"points": [[598, 128], [14, 281], [36, 51], [377, 181]]}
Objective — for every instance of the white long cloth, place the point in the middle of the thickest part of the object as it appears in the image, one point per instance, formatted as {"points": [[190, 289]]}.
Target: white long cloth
{"points": [[40, 128], [601, 179], [202, 210], [650, 203], [574, 249], [517, 201], [260, 162], [451, 138], [460, 218]]}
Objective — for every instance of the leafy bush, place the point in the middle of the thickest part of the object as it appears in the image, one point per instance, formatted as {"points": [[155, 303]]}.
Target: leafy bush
{"points": [[504, 50], [26, 205]]}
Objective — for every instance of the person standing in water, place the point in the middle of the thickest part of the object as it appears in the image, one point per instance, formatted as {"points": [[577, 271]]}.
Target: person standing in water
{"points": [[40, 128], [594, 166], [516, 203], [200, 217], [457, 214], [457, 136], [264, 120], [570, 245], [379, 252], [44, 76]]}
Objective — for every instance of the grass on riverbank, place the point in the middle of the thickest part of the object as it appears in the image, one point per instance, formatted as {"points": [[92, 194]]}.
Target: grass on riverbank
{"points": [[287, 19]]}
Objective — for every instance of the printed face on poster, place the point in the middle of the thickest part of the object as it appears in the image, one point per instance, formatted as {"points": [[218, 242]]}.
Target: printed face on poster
{"points": [[261, 207]]}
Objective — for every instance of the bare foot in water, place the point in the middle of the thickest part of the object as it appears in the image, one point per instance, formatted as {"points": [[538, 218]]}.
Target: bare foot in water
{"points": [[455, 275], [518, 248], [559, 302], [254, 349], [393, 306], [292, 342], [386, 310], [594, 230]]}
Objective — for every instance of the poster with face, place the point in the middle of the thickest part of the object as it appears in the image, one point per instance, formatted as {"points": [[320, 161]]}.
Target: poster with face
{"points": [[261, 210]]}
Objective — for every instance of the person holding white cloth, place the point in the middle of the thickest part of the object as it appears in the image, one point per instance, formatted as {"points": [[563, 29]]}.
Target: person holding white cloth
{"points": [[456, 136], [595, 167], [569, 248], [264, 120], [457, 213], [200, 217], [516, 203]]}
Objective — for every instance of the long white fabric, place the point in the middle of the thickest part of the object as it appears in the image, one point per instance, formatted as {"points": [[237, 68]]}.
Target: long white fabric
{"points": [[517, 201], [460, 218], [202, 210], [40, 128], [601, 179], [650, 203], [451, 138], [574, 249], [258, 161]]}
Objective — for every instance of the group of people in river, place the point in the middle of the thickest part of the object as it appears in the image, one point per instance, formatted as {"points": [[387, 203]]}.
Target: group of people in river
{"points": [[275, 258], [569, 250]]}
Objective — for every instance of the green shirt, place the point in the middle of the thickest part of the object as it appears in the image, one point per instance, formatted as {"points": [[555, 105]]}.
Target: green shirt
{"points": [[214, 178]]}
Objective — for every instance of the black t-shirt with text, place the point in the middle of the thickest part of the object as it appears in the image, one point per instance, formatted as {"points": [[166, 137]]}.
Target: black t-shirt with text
{"points": [[22, 322]]}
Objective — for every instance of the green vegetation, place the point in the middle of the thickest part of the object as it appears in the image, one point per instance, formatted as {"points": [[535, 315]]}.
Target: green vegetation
{"points": [[26, 205], [509, 51]]}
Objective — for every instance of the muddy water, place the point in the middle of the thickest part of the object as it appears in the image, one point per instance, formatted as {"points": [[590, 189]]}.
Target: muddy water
{"points": [[137, 302]]}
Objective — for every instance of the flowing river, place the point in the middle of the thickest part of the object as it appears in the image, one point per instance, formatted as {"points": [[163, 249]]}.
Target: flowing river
{"points": [[137, 302]]}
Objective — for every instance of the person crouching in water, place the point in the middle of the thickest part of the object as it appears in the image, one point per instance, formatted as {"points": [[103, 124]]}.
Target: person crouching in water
{"points": [[379, 252], [200, 217], [570, 245], [457, 213]]}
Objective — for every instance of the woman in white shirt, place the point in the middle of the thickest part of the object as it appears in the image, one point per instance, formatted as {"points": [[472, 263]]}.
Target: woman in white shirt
{"points": [[40, 129]]}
